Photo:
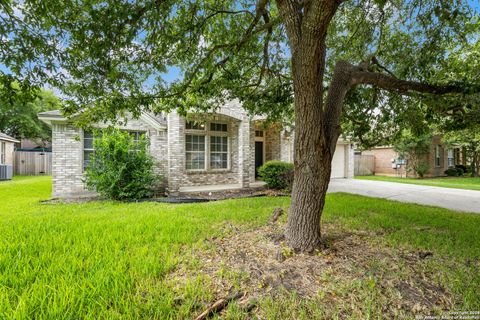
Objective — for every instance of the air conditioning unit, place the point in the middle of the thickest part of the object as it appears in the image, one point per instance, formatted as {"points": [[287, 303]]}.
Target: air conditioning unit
{"points": [[6, 172]]}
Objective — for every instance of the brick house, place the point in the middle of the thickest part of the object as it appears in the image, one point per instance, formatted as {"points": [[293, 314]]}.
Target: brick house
{"points": [[216, 149], [439, 158]]}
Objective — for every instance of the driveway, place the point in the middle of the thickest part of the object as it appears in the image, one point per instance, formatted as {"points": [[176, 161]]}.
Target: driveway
{"points": [[454, 199]]}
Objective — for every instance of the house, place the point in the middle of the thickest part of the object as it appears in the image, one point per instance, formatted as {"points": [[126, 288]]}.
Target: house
{"points": [[439, 158], [221, 149], [35, 145], [7, 147]]}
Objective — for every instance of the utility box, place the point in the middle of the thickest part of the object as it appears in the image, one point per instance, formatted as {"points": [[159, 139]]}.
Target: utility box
{"points": [[6, 172]]}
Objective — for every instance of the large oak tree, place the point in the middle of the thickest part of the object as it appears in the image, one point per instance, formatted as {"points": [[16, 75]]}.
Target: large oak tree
{"points": [[277, 56]]}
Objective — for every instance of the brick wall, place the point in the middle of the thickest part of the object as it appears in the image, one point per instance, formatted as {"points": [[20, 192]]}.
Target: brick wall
{"points": [[240, 151], [67, 149], [9, 148], [383, 161], [67, 173]]}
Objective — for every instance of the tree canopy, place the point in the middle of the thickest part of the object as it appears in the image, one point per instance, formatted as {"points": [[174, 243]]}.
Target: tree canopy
{"points": [[113, 56], [19, 106]]}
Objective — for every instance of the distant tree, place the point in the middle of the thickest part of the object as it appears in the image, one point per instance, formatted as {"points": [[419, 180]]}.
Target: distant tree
{"points": [[19, 107], [414, 148]]}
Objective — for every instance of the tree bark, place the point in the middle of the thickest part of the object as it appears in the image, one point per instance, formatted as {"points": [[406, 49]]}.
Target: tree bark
{"points": [[306, 28]]}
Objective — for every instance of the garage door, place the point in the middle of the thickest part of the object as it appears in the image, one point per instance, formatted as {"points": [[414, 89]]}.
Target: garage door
{"points": [[338, 162]]}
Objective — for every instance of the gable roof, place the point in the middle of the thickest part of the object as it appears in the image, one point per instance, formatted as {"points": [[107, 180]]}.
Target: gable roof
{"points": [[6, 137], [56, 115]]}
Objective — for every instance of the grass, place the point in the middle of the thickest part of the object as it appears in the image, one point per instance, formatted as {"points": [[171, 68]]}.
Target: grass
{"points": [[110, 260], [468, 183]]}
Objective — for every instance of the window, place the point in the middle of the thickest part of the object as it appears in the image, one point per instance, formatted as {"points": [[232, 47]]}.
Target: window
{"points": [[195, 152], [88, 144], [438, 156], [191, 125], [87, 148], [259, 133], [218, 152], [207, 150], [451, 158], [3, 148], [222, 127]]}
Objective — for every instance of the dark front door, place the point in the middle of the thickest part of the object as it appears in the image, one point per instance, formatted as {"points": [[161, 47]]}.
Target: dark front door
{"points": [[258, 155]]}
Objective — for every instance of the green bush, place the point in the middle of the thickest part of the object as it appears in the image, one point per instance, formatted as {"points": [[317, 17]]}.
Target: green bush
{"points": [[120, 167], [452, 172], [277, 174], [460, 171], [421, 169], [461, 166]]}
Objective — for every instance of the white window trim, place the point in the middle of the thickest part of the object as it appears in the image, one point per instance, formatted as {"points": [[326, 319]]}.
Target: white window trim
{"points": [[196, 133], [146, 133], [208, 133], [438, 151], [3, 152]]}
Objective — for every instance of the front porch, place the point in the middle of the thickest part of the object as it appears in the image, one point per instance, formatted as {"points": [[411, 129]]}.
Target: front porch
{"points": [[218, 187]]}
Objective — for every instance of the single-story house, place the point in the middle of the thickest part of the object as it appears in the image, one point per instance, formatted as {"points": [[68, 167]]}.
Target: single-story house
{"points": [[7, 147], [439, 158], [215, 149]]}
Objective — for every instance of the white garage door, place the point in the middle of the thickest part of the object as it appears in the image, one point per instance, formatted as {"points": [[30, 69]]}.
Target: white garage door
{"points": [[338, 162]]}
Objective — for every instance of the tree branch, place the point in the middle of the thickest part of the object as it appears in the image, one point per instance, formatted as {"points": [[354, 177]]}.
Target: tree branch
{"points": [[347, 76]]}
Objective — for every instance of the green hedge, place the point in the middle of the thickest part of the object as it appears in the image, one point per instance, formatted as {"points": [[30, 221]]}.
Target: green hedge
{"points": [[277, 174]]}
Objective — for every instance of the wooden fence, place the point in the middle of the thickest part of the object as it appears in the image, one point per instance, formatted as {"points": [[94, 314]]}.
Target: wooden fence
{"points": [[29, 163], [364, 165]]}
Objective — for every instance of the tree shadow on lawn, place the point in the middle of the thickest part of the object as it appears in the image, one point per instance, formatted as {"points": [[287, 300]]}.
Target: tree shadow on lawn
{"points": [[354, 275]]}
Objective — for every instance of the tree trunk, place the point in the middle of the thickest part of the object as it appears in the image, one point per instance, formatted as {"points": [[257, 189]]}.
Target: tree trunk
{"points": [[312, 151], [475, 164]]}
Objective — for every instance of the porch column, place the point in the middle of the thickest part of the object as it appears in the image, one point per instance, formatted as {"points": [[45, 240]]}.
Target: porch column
{"points": [[176, 152], [245, 157]]}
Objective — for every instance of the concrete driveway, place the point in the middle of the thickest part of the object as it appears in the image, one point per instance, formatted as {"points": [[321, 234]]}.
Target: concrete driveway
{"points": [[455, 199]]}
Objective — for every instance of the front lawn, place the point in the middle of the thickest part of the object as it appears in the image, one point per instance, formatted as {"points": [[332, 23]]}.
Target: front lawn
{"points": [[446, 182], [110, 260]]}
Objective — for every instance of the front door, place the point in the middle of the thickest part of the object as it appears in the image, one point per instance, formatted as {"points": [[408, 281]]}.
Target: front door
{"points": [[258, 156]]}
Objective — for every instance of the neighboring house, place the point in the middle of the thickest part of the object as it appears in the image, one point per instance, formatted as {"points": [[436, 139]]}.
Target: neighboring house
{"points": [[220, 149], [440, 158], [7, 147], [35, 144]]}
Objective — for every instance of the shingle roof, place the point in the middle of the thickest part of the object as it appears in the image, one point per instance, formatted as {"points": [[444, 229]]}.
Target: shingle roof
{"points": [[53, 113], [6, 137]]}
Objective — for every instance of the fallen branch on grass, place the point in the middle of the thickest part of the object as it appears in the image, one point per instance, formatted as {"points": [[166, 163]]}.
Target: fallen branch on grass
{"points": [[219, 305]]}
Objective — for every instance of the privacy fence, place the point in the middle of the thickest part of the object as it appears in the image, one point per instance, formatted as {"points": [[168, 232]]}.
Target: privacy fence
{"points": [[364, 165], [32, 163]]}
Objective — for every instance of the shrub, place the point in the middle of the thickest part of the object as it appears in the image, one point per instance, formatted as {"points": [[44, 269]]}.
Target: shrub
{"points": [[277, 174], [121, 168], [461, 166], [451, 172], [421, 169], [460, 171]]}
